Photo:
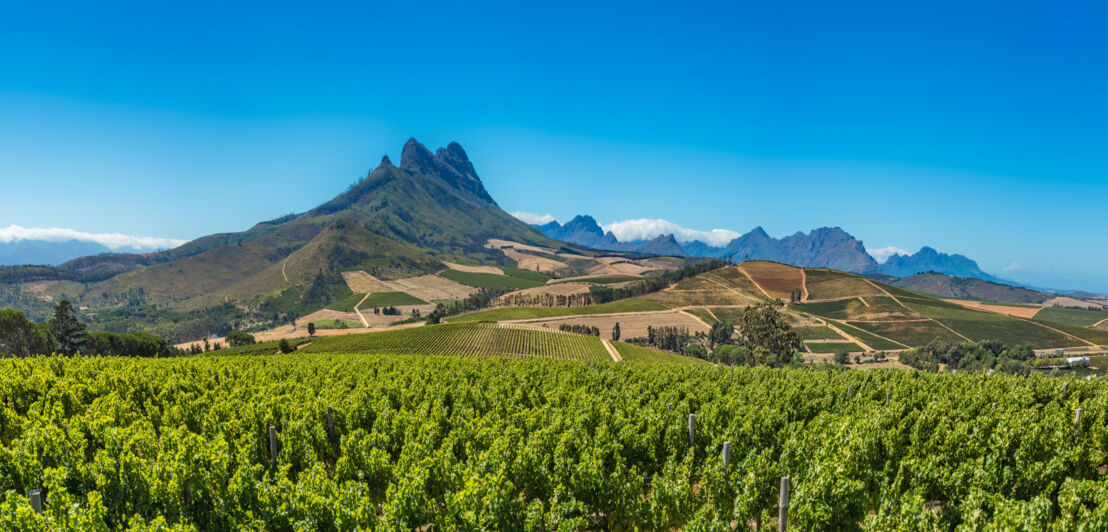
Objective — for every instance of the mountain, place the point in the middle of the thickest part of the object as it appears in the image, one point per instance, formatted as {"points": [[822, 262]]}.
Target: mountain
{"points": [[826, 247], [929, 260], [584, 231], [398, 221], [47, 252], [948, 286]]}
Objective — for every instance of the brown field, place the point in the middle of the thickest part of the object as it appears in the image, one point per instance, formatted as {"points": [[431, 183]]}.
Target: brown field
{"points": [[474, 269], [706, 297], [778, 280], [1019, 312], [364, 283], [496, 243], [432, 287], [558, 289], [630, 324]]}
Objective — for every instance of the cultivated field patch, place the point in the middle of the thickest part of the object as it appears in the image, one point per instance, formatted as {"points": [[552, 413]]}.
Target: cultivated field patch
{"points": [[474, 269], [1008, 310], [829, 284], [630, 325], [778, 280]]}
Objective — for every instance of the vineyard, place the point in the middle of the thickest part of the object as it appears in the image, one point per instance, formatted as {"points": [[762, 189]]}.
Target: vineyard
{"points": [[337, 442], [468, 339]]}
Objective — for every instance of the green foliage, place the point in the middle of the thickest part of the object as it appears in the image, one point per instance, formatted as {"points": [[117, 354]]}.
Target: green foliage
{"points": [[480, 444], [239, 338], [490, 280], [616, 332], [20, 337], [980, 357], [311, 329], [467, 339], [832, 347], [345, 304], [764, 326], [68, 331], [284, 346]]}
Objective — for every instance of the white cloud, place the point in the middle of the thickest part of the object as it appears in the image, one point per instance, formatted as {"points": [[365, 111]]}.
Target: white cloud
{"points": [[532, 218], [882, 255], [646, 229], [109, 240], [1013, 267]]}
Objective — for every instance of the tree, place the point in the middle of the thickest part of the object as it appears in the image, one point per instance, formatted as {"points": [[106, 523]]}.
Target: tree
{"points": [[721, 333], [68, 331], [285, 346], [239, 338], [842, 358], [763, 325], [311, 328], [615, 331], [20, 337], [695, 351]]}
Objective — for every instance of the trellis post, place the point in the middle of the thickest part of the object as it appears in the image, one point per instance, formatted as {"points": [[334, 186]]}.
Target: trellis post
{"points": [[726, 454], [692, 428], [330, 423], [273, 444], [783, 506], [35, 496]]}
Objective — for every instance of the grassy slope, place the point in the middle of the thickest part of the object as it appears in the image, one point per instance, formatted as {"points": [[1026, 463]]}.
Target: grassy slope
{"points": [[489, 280], [1071, 316], [524, 274], [520, 313], [391, 299], [833, 347], [346, 304], [468, 339], [644, 355]]}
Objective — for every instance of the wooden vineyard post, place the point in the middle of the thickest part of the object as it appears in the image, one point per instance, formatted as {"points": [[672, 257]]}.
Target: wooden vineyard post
{"points": [[886, 397], [35, 497], [1065, 391], [692, 428], [330, 424], [273, 444], [1077, 423], [726, 454], [783, 506]]}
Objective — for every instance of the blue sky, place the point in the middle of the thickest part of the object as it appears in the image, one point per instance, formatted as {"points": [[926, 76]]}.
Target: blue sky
{"points": [[974, 129]]}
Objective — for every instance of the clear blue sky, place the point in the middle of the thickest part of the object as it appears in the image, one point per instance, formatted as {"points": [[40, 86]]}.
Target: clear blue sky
{"points": [[976, 129]]}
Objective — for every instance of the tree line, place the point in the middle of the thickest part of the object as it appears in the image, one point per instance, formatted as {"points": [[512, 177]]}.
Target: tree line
{"points": [[65, 334], [654, 283]]}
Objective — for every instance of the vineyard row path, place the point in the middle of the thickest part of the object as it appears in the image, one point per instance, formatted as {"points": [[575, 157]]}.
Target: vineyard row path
{"points": [[611, 350]]}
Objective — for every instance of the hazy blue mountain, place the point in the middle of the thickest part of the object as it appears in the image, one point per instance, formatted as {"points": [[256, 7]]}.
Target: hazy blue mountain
{"points": [[927, 259], [19, 252]]}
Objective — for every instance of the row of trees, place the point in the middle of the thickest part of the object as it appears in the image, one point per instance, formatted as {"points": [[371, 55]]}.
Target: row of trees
{"points": [[580, 329], [522, 299], [65, 334], [654, 283], [979, 357], [478, 300]]}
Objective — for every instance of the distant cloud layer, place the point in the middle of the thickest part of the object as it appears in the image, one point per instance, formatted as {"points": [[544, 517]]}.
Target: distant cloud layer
{"points": [[646, 229], [532, 218], [881, 255], [1013, 267], [109, 240]]}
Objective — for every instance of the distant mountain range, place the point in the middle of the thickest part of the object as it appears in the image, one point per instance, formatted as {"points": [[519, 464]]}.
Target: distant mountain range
{"points": [[827, 247], [47, 252]]}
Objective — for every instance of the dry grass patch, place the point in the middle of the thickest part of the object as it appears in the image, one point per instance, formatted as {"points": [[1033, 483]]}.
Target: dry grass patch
{"points": [[432, 287], [474, 269], [1019, 312]]}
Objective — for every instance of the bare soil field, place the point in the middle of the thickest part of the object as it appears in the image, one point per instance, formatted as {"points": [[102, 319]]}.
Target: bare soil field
{"points": [[496, 243], [364, 283], [432, 287], [474, 269], [559, 289], [1019, 312], [630, 324], [326, 314], [778, 280]]}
